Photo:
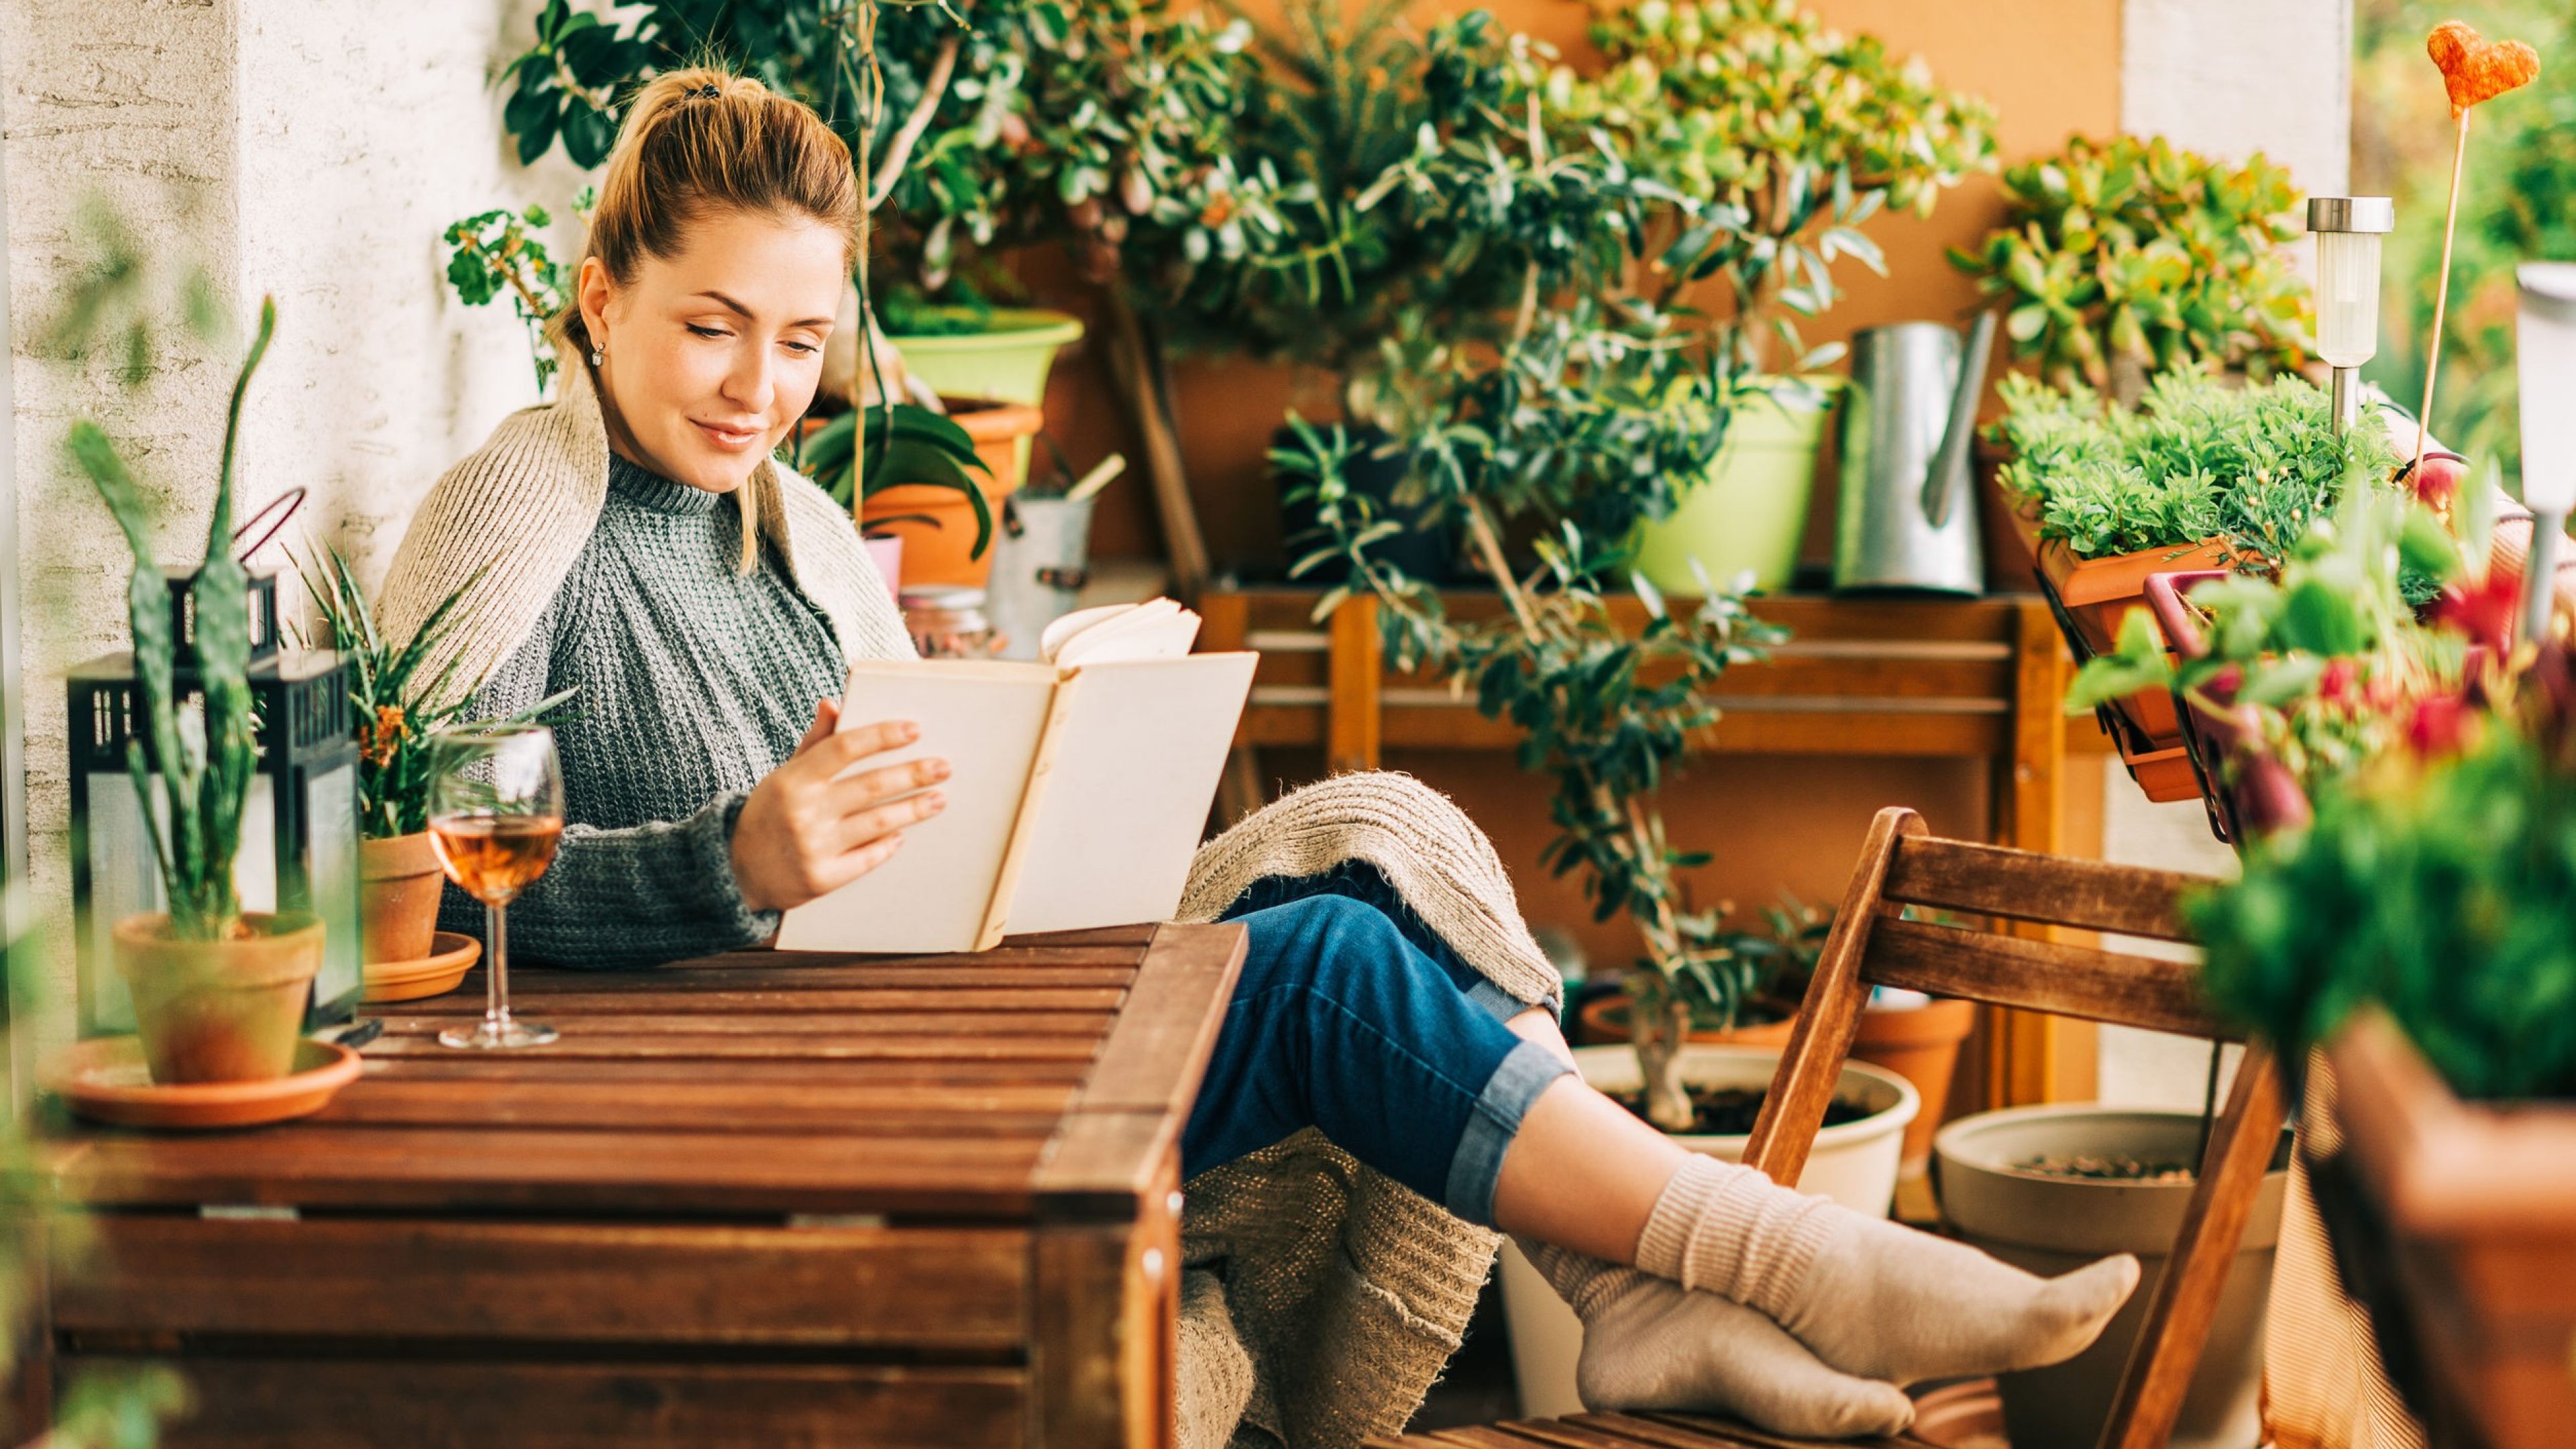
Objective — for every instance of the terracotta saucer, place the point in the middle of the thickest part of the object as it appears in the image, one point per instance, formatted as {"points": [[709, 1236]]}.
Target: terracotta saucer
{"points": [[105, 1080], [452, 954]]}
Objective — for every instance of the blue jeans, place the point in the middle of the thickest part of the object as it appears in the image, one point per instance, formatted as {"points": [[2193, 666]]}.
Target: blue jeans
{"points": [[1354, 1017]]}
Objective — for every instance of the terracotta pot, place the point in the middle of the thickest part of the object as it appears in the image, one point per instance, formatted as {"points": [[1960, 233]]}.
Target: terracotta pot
{"points": [[399, 885], [1605, 1020], [2454, 1222], [220, 1011], [940, 551], [1920, 1044], [2011, 549], [2097, 596]]}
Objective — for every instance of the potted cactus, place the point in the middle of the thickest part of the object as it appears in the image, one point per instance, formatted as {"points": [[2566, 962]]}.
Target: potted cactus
{"points": [[219, 992]]}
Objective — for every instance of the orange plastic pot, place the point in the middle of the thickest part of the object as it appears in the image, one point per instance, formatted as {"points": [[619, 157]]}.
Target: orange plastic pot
{"points": [[2100, 593], [937, 525]]}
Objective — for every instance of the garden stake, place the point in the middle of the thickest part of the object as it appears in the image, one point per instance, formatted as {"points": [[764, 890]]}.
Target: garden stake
{"points": [[2473, 69]]}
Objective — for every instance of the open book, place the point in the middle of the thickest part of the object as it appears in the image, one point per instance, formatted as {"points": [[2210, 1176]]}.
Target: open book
{"points": [[1079, 789]]}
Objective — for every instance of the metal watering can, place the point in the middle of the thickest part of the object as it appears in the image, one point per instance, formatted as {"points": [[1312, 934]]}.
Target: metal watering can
{"points": [[1908, 509]]}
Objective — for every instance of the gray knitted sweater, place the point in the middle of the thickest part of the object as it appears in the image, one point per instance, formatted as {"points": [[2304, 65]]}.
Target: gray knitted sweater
{"points": [[691, 681]]}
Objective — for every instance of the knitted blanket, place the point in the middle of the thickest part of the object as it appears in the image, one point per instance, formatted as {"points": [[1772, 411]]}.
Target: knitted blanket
{"points": [[1346, 1290], [506, 524]]}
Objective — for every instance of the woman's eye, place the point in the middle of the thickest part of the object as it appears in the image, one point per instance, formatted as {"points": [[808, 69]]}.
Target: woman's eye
{"points": [[802, 349], [697, 331]]}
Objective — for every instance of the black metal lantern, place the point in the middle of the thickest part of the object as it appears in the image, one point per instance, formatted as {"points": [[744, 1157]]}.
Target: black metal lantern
{"points": [[299, 843]]}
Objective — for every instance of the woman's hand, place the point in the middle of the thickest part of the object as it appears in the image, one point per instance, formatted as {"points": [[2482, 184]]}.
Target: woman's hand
{"points": [[805, 833]]}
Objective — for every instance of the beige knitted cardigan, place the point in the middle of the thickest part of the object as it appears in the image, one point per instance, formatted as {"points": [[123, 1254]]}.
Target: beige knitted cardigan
{"points": [[1320, 1298]]}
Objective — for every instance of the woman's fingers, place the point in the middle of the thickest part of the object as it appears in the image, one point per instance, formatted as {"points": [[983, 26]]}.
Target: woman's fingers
{"points": [[851, 864], [856, 792], [862, 826], [831, 756], [827, 718]]}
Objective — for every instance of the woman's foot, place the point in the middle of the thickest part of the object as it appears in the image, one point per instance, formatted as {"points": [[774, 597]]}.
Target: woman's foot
{"points": [[1871, 1297], [1650, 1344]]}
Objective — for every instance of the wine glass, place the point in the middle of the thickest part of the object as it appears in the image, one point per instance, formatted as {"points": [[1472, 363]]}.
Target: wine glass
{"points": [[495, 817]]}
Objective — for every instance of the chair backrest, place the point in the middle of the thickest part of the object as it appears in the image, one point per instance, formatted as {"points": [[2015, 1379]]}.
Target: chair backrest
{"points": [[1999, 962]]}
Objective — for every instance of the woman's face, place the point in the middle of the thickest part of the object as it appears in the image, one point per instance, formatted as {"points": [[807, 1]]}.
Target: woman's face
{"points": [[710, 356]]}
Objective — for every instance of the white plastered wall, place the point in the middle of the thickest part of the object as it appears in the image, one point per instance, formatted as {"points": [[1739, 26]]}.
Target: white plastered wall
{"points": [[2226, 78], [313, 151]]}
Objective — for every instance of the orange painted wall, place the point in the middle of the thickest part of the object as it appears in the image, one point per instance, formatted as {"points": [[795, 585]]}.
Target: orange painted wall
{"points": [[2050, 67]]}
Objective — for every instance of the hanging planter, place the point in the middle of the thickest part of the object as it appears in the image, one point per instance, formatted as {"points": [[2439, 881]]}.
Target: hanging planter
{"points": [[1000, 354]]}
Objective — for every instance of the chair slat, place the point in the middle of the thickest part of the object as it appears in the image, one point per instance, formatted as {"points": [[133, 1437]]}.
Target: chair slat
{"points": [[2106, 986], [1990, 880]]}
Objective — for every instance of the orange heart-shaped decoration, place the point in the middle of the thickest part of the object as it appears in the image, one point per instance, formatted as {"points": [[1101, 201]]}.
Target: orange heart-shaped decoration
{"points": [[2475, 68]]}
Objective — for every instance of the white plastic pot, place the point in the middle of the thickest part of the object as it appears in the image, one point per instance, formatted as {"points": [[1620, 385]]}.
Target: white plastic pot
{"points": [[1855, 1164], [2051, 1224]]}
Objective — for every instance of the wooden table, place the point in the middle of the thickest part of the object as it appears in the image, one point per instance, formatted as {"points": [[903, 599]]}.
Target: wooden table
{"points": [[763, 1199]]}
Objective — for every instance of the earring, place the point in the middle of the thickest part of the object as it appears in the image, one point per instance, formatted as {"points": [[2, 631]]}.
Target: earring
{"points": [[597, 352]]}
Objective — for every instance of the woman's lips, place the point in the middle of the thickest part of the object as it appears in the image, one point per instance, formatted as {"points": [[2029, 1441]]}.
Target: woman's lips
{"points": [[731, 440]]}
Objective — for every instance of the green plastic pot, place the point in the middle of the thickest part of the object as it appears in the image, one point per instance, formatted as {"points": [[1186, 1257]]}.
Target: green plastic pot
{"points": [[1004, 359], [1750, 513]]}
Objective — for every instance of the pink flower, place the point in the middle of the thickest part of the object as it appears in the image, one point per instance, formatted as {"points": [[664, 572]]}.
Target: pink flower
{"points": [[2338, 685]]}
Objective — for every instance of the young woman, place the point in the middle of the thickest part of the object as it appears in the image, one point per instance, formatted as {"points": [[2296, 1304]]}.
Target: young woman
{"points": [[636, 542]]}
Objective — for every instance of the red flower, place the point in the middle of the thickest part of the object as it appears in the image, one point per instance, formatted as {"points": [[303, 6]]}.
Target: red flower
{"points": [[2337, 685], [2439, 726], [2485, 611]]}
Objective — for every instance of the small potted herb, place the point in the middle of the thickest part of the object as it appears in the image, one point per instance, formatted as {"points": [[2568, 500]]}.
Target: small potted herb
{"points": [[398, 708], [219, 992], [2203, 475]]}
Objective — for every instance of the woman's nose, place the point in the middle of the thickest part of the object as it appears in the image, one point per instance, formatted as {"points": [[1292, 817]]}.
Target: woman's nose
{"points": [[749, 385]]}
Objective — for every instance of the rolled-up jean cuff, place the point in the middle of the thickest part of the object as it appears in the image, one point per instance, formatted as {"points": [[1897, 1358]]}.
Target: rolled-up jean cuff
{"points": [[1525, 1072], [1501, 1005]]}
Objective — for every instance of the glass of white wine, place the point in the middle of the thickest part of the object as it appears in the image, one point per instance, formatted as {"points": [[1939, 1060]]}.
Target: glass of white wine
{"points": [[495, 815]]}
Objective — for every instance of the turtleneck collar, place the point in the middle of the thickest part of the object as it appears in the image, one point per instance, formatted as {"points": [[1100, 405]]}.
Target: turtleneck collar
{"points": [[650, 490]]}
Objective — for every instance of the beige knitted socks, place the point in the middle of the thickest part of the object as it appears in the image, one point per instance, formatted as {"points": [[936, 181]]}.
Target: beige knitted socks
{"points": [[1649, 1344], [1871, 1297]]}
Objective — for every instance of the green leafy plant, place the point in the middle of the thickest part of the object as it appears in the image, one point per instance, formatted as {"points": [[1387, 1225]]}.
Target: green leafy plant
{"points": [[2321, 663], [495, 255], [905, 444], [2253, 466], [398, 706], [2438, 883], [2136, 251], [204, 756], [1798, 136]]}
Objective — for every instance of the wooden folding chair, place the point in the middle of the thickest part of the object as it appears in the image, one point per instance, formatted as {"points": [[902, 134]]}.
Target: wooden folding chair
{"points": [[1873, 945]]}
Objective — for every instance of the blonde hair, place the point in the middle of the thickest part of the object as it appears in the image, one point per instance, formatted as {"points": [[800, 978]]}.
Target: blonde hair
{"points": [[700, 142]]}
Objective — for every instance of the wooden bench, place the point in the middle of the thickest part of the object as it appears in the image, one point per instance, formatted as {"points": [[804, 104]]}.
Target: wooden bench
{"points": [[764, 1198]]}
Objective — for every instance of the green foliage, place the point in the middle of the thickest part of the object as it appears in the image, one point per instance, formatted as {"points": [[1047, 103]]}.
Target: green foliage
{"points": [[398, 706], [1798, 134], [204, 756], [2139, 250], [568, 85], [120, 298], [495, 254], [2446, 893], [906, 445], [2255, 466], [2323, 660]]}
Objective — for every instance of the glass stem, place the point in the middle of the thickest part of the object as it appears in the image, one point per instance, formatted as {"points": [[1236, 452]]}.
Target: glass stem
{"points": [[497, 976]]}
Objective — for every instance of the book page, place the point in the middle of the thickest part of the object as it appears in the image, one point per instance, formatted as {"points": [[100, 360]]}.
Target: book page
{"points": [[1135, 767], [1157, 629], [985, 719], [1068, 625]]}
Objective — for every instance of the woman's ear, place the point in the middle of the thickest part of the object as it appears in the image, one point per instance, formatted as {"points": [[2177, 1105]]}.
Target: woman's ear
{"points": [[594, 290]]}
